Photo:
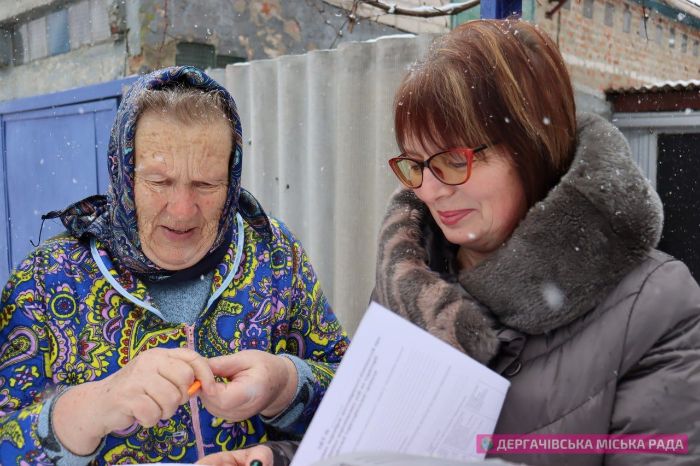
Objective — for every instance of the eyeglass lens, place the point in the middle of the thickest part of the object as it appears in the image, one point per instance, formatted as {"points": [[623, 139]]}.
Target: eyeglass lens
{"points": [[449, 167]]}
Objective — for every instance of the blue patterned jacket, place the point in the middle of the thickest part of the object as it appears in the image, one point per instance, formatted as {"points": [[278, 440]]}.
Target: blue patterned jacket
{"points": [[62, 324]]}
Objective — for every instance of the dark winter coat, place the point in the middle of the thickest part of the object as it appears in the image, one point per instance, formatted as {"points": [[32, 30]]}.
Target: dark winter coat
{"points": [[597, 331]]}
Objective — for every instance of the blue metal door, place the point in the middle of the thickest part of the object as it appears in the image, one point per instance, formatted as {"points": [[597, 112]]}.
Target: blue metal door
{"points": [[54, 157], [54, 152]]}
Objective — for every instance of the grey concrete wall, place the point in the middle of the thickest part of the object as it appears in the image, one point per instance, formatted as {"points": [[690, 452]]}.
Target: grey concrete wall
{"points": [[89, 65], [92, 63], [252, 29], [17, 9]]}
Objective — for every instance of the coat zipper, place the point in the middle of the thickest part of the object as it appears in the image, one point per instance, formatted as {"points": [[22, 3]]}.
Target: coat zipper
{"points": [[194, 406]]}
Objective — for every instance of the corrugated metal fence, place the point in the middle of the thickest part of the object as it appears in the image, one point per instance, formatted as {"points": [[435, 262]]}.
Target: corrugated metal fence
{"points": [[317, 134]]}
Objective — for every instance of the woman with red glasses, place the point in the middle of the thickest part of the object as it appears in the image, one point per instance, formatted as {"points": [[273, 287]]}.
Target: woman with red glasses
{"points": [[525, 237]]}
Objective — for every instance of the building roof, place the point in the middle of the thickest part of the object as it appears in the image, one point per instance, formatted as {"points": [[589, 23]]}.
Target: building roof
{"points": [[679, 11], [691, 7], [666, 96], [664, 86]]}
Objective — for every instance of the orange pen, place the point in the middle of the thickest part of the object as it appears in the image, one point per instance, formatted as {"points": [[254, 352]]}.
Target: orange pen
{"points": [[194, 388]]}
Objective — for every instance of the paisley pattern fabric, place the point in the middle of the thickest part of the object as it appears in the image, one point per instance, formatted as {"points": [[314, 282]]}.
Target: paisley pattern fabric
{"points": [[63, 324], [112, 218]]}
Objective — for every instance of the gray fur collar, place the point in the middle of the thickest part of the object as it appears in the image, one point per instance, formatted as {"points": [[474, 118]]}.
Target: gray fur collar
{"points": [[576, 245], [569, 251]]}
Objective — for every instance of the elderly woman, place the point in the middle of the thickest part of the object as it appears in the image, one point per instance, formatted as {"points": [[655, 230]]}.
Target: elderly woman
{"points": [[525, 237], [176, 276]]}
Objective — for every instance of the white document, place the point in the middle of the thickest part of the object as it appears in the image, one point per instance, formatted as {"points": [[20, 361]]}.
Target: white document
{"points": [[402, 459], [401, 390]]}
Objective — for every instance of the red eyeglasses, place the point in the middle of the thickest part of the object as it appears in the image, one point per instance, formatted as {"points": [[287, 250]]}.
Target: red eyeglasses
{"points": [[451, 167]]}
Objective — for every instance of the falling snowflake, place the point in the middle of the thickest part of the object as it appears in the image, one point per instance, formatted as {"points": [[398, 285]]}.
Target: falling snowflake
{"points": [[553, 296]]}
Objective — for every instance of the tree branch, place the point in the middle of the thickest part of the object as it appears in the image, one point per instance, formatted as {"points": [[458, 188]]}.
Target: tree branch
{"points": [[550, 13], [421, 11]]}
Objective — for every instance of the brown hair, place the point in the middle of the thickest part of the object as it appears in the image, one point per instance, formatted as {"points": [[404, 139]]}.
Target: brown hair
{"points": [[494, 82]]}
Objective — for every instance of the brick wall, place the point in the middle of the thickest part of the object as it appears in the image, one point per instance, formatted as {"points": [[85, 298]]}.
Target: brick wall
{"points": [[598, 50], [601, 54]]}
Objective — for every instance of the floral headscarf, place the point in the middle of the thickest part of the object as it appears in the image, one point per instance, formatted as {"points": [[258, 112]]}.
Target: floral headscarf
{"points": [[112, 218]]}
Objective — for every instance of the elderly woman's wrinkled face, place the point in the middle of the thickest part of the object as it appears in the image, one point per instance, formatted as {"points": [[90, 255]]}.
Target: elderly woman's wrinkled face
{"points": [[181, 180], [478, 215]]}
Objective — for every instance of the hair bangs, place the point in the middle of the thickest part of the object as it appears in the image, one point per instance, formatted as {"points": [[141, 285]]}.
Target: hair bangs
{"points": [[433, 109]]}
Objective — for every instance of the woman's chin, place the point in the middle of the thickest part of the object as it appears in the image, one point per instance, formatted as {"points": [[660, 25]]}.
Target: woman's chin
{"points": [[173, 262], [460, 237]]}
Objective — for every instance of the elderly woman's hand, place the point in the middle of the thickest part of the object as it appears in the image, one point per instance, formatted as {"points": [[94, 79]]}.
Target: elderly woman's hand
{"points": [[259, 383], [245, 457], [149, 388]]}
